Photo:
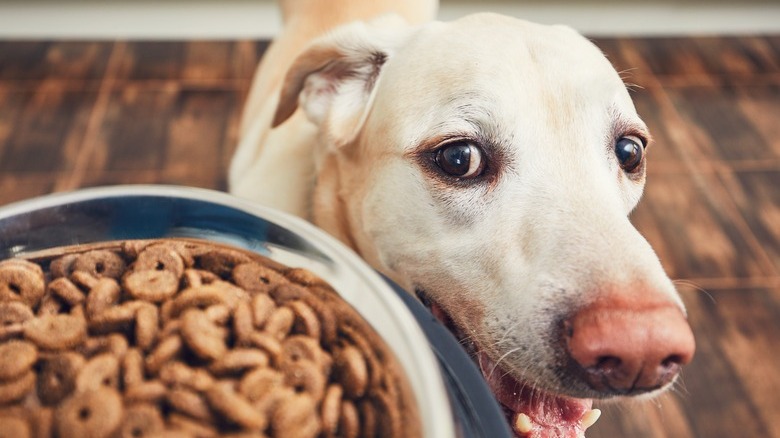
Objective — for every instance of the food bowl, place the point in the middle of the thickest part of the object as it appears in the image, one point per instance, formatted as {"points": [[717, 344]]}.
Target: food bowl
{"points": [[452, 398]]}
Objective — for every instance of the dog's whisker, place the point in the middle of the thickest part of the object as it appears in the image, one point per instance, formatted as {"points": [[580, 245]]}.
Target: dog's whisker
{"points": [[466, 340], [630, 86], [625, 76], [679, 387], [502, 358], [657, 402], [694, 286], [628, 72]]}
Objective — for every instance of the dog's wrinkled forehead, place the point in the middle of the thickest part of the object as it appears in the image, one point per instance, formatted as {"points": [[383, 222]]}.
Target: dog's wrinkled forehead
{"points": [[512, 67]]}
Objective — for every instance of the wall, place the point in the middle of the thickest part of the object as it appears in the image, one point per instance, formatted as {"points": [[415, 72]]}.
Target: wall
{"points": [[169, 19]]}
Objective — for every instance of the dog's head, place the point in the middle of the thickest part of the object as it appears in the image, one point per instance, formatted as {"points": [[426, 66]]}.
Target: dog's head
{"points": [[489, 165]]}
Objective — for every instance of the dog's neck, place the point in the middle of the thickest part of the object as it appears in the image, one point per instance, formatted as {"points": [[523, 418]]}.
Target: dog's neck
{"points": [[329, 208]]}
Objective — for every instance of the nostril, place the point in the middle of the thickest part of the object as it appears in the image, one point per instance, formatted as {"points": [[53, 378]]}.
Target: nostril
{"points": [[672, 361], [606, 364]]}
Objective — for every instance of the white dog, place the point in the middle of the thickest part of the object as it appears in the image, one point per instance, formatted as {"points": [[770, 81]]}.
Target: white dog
{"points": [[489, 165]]}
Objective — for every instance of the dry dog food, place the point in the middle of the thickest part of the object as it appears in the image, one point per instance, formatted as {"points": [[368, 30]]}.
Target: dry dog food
{"points": [[180, 338]]}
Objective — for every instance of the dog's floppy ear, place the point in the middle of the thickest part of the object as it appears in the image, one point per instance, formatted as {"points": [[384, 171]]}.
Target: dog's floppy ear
{"points": [[333, 80]]}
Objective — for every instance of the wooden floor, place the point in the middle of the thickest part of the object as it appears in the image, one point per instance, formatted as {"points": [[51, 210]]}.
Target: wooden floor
{"points": [[76, 114]]}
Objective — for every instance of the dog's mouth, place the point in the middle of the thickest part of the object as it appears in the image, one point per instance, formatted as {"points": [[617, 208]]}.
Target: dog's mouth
{"points": [[534, 413], [530, 411]]}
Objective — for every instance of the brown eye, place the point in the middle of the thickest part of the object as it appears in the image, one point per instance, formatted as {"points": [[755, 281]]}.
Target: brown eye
{"points": [[460, 159], [629, 152]]}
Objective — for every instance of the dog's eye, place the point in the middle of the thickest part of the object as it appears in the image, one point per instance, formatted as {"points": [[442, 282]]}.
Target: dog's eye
{"points": [[629, 152], [460, 159]]}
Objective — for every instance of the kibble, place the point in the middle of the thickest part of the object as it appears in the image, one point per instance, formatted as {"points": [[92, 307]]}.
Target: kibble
{"points": [[16, 389], [100, 263], [56, 332], [67, 291], [101, 370], [141, 421], [16, 358], [96, 413], [183, 339], [57, 378], [20, 281]]}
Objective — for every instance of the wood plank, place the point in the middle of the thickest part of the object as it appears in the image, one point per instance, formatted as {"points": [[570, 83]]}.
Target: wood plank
{"points": [[724, 131], [671, 56], [133, 134], [774, 42], [661, 417], [192, 177], [175, 132], [620, 52], [761, 108], [716, 401], [205, 62], [64, 60], [710, 60], [200, 131], [152, 60], [757, 195], [730, 59], [691, 228], [21, 186], [41, 127], [670, 148], [751, 330]]}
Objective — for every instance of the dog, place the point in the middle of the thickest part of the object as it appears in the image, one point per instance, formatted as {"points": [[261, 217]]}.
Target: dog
{"points": [[487, 165]]}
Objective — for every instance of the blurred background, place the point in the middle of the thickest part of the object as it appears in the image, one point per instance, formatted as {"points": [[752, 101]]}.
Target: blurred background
{"points": [[259, 18], [117, 92]]}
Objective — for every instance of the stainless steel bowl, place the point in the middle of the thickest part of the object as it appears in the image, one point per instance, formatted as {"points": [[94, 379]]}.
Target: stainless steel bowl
{"points": [[128, 212]]}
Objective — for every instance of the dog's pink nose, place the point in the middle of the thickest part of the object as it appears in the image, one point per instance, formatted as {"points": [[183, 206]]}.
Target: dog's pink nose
{"points": [[629, 347]]}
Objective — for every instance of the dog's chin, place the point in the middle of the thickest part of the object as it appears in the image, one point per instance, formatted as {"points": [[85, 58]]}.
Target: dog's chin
{"points": [[531, 412]]}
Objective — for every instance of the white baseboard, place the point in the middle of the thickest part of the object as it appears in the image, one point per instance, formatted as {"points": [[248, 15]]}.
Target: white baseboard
{"points": [[239, 19]]}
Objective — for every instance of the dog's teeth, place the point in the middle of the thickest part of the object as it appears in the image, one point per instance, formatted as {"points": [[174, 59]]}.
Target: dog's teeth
{"points": [[523, 423], [589, 418]]}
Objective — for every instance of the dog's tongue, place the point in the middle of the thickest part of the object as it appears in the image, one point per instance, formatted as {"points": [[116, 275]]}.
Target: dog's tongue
{"points": [[536, 414]]}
